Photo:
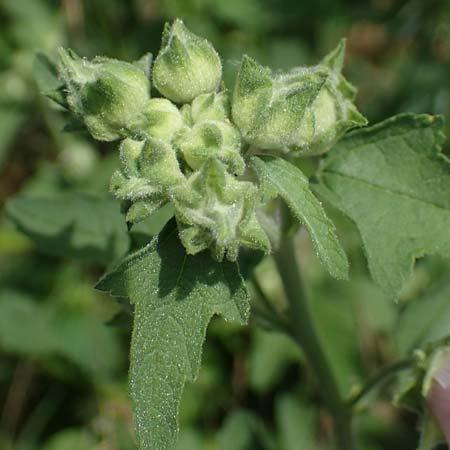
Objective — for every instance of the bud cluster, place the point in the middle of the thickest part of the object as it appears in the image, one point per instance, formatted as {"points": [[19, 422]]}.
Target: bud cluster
{"points": [[303, 112], [186, 146]]}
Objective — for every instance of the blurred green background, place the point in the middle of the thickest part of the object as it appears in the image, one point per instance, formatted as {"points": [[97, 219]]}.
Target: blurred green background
{"points": [[64, 347]]}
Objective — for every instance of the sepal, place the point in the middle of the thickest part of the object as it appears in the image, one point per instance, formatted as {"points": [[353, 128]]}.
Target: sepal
{"points": [[212, 106]]}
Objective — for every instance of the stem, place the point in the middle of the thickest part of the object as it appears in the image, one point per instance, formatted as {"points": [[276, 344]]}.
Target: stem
{"points": [[269, 310], [306, 336], [269, 320], [380, 378]]}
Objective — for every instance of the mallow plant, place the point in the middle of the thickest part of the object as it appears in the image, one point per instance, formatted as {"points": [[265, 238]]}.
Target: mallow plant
{"points": [[224, 160]]}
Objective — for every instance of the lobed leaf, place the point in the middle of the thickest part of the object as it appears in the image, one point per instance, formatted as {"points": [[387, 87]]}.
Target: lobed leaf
{"points": [[175, 296], [394, 183]]}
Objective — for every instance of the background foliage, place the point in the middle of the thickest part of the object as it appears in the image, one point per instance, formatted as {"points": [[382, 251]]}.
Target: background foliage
{"points": [[64, 346]]}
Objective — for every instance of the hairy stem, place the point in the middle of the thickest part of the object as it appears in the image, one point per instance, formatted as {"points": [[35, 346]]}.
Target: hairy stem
{"points": [[306, 336], [380, 378]]}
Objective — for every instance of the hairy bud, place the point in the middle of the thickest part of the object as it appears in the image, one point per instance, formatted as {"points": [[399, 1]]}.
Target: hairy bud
{"points": [[303, 111], [218, 212], [106, 93], [212, 139], [186, 65], [213, 106], [149, 175], [160, 119]]}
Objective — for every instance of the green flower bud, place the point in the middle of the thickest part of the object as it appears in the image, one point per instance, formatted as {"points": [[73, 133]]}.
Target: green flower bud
{"points": [[212, 139], [186, 66], [106, 93], [160, 119], [303, 111], [128, 183], [213, 106], [218, 212], [149, 176]]}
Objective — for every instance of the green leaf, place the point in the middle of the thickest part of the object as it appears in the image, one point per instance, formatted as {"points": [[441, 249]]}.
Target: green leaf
{"points": [[332, 306], [71, 439], [426, 319], [270, 355], [246, 431], [279, 177], [42, 330], [238, 429], [175, 296], [295, 423], [394, 183], [24, 325], [73, 225], [189, 440]]}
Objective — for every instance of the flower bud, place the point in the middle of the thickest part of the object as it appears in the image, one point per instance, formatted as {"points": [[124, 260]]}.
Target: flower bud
{"points": [[106, 93], [436, 389], [186, 66], [218, 212], [213, 106], [160, 119], [150, 174], [128, 183], [303, 111], [212, 139]]}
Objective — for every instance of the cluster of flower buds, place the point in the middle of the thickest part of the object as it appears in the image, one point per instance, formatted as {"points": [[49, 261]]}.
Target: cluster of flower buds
{"points": [[186, 146]]}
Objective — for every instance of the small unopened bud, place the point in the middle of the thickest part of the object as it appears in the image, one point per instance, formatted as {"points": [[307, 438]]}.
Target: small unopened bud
{"points": [[106, 93], [303, 111], [160, 118], [186, 65], [213, 106], [436, 389], [149, 167], [212, 139], [219, 212]]}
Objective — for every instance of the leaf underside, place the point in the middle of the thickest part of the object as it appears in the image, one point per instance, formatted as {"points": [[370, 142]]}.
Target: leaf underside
{"points": [[175, 296], [394, 183], [279, 177]]}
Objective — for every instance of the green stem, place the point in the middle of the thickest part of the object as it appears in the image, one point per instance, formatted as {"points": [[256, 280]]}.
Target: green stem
{"points": [[306, 336], [380, 378], [269, 308]]}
